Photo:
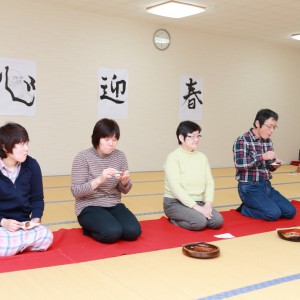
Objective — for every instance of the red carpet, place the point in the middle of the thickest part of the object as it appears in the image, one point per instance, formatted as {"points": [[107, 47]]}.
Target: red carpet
{"points": [[70, 246]]}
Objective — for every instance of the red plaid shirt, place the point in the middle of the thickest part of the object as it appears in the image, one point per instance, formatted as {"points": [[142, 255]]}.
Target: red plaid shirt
{"points": [[248, 160]]}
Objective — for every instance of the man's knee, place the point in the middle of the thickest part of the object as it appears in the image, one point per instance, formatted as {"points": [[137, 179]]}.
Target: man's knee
{"points": [[290, 214], [273, 215]]}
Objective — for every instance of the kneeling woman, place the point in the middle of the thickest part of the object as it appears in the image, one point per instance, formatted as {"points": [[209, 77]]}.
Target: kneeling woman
{"points": [[21, 195], [189, 185], [99, 176]]}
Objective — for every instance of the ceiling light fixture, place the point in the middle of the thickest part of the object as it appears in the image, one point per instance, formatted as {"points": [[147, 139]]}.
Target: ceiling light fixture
{"points": [[296, 36], [175, 9]]}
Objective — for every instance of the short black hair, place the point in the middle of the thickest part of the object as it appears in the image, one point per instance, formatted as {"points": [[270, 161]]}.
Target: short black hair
{"points": [[10, 135], [263, 115], [105, 128], [186, 127]]}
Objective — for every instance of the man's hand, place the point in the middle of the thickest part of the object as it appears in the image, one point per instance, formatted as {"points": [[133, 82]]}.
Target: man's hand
{"points": [[269, 155]]}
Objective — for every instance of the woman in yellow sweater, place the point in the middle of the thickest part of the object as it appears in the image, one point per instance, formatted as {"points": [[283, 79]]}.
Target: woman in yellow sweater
{"points": [[189, 185]]}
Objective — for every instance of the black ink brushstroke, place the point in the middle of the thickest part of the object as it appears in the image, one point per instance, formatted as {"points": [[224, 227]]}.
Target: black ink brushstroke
{"points": [[11, 92], [104, 97]]}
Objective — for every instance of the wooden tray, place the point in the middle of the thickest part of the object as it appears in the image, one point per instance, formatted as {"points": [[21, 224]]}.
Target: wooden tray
{"points": [[292, 234], [201, 250]]}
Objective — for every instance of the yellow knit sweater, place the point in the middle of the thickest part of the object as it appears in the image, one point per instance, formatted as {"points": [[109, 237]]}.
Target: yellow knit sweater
{"points": [[188, 177]]}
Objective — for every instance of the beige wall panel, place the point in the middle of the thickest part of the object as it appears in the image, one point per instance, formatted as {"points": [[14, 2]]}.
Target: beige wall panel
{"points": [[240, 77]]}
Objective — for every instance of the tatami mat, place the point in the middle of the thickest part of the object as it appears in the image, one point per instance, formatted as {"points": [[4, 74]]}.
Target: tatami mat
{"points": [[251, 267]]}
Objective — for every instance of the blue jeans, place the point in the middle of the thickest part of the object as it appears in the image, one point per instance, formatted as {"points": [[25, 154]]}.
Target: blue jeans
{"points": [[109, 224], [262, 201]]}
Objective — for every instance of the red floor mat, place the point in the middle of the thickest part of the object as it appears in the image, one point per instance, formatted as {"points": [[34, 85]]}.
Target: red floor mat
{"points": [[70, 246]]}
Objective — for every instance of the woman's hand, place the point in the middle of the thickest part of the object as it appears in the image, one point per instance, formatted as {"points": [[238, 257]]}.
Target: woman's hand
{"points": [[36, 220], [206, 210], [106, 174], [11, 225], [124, 178]]}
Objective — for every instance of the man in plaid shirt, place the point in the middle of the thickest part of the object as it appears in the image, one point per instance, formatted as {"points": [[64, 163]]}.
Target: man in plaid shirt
{"points": [[254, 160]]}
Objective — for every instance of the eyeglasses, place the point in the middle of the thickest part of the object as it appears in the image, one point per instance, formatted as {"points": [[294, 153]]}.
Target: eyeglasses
{"points": [[271, 126], [194, 137]]}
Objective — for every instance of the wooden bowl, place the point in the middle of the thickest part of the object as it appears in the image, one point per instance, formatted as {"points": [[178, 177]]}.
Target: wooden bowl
{"points": [[292, 234], [201, 250]]}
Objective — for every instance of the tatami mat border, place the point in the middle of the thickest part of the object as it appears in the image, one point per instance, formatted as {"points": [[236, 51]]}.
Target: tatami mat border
{"points": [[252, 287]]}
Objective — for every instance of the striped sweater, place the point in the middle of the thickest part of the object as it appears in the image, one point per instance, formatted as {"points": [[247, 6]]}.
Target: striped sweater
{"points": [[88, 165]]}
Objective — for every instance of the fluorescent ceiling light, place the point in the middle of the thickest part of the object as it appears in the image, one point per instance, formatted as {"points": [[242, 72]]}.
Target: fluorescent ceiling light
{"points": [[175, 9], [296, 36]]}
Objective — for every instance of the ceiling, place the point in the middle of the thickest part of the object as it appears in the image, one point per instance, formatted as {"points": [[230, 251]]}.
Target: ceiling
{"points": [[271, 21]]}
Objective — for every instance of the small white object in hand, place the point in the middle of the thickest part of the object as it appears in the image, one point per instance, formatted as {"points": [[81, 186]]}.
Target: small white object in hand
{"points": [[118, 174], [29, 225]]}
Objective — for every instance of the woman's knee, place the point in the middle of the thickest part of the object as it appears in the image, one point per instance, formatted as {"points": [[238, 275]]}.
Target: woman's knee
{"points": [[43, 239], [7, 250], [197, 224], [108, 236], [131, 233], [215, 222], [47, 238]]}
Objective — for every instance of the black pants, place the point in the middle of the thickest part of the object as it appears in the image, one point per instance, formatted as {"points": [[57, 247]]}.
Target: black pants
{"points": [[109, 224]]}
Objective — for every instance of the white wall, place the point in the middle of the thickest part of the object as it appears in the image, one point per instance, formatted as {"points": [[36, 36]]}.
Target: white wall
{"points": [[240, 77]]}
